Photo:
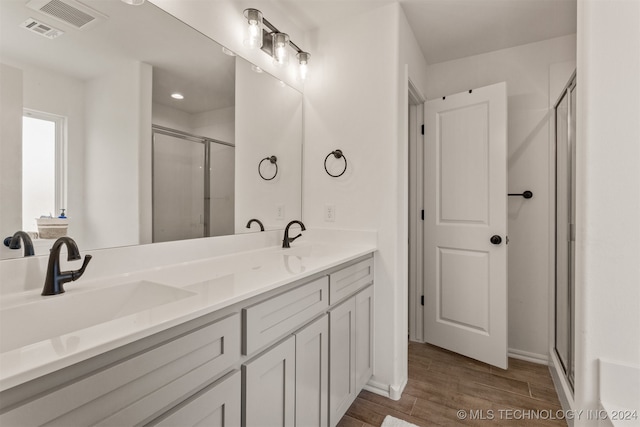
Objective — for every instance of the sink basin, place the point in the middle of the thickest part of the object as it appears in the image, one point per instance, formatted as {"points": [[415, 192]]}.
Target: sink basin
{"points": [[43, 318]]}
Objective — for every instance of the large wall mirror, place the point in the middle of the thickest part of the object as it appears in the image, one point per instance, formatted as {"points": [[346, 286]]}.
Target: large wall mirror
{"points": [[132, 164]]}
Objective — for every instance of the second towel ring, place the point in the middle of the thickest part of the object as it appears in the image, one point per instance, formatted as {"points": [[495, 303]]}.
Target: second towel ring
{"points": [[337, 154], [273, 160]]}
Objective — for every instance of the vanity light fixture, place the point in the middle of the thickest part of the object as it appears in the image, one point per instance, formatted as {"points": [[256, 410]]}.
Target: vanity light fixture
{"points": [[177, 95], [133, 2], [303, 60], [272, 41], [253, 36], [280, 53]]}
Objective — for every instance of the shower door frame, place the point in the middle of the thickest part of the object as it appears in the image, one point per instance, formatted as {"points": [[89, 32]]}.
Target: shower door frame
{"points": [[186, 136], [569, 364]]}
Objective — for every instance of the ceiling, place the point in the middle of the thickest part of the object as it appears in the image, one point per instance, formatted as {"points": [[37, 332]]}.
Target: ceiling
{"points": [[201, 72], [453, 29], [445, 30]]}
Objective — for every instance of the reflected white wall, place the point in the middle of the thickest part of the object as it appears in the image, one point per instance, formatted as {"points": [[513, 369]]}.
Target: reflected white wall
{"points": [[44, 90], [115, 127], [11, 79], [270, 125]]}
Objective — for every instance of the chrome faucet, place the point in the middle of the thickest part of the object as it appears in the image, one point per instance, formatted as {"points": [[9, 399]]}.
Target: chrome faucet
{"points": [[256, 221], [286, 240], [53, 283], [14, 242]]}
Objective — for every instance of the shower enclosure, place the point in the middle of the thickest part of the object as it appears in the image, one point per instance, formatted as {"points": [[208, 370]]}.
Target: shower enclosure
{"points": [[193, 186], [565, 119]]}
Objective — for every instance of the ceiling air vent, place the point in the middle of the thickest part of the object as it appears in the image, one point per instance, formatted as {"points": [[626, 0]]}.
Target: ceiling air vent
{"points": [[70, 12], [41, 28]]}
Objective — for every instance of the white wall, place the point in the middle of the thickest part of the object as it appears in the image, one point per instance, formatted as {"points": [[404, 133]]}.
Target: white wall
{"points": [[608, 192], [270, 124], [217, 124], [163, 115], [47, 91], [357, 102], [10, 151], [114, 155], [526, 69]]}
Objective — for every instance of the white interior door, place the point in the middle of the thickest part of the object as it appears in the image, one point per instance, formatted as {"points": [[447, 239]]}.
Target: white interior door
{"points": [[465, 210]]}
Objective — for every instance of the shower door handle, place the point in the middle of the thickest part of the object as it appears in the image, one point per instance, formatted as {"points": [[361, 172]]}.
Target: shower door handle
{"points": [[495, 239]]}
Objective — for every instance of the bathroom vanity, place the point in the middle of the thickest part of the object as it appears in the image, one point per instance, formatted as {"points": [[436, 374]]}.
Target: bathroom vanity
{"points": [[265, 337]]}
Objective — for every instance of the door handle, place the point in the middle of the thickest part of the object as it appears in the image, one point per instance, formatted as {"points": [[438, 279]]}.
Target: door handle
{"points": [[495, 239]]}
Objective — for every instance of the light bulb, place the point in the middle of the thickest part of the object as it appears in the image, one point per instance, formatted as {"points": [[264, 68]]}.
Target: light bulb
{"points": [[253, 37], [280, 52], [303, 59]]}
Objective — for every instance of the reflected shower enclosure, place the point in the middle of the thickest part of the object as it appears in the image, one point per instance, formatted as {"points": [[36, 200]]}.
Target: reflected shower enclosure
{"points": [[193, 186]]}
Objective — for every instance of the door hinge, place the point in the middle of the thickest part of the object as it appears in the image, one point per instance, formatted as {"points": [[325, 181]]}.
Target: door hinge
{"points": [[422, 300], [422, 214], [422, 129]]}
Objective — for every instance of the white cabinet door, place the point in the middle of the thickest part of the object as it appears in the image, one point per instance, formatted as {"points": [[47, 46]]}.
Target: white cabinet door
{"points": [[342, 359], [312, 376], [364, 337], [216, 406], [269, 387]]}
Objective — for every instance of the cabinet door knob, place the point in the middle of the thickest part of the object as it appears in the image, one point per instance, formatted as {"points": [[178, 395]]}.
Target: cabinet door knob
{"points": [[495, 239]]}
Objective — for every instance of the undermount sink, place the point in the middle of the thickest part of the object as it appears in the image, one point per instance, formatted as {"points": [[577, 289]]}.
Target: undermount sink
{"points": [[49, 317]]}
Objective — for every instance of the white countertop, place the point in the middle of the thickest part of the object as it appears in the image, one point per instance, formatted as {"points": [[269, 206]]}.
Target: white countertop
{"points": [[215, 282]]}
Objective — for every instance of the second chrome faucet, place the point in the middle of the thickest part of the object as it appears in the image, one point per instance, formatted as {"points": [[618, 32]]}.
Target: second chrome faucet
{"points": [[287, 240]]}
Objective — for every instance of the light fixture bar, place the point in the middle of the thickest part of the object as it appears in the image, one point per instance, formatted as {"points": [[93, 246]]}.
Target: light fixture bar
{"points": [[273, 41], [273, 29]]}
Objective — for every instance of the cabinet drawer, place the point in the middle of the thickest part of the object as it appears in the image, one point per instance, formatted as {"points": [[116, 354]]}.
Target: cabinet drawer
{"points": [[217, 405], [349, 280], [142, 387], [268, 320]]}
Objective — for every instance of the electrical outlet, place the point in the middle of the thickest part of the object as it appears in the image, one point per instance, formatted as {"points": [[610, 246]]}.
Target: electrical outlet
{"points": [[329, 213], [280, 212]]}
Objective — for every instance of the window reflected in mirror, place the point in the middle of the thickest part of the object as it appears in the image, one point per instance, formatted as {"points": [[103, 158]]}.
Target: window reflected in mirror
{"points": [[43, 163]]}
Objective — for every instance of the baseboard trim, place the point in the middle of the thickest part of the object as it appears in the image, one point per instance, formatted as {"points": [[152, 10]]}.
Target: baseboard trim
{"points": [[378, 388], [541, 359], [390, 391]]}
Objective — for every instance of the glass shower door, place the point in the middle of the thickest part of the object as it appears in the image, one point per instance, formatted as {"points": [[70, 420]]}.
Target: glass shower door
{"points": [[565, 228], [178, 188]]}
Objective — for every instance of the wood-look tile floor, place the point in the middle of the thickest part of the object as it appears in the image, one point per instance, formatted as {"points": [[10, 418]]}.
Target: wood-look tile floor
{"points": [[441, 383]]}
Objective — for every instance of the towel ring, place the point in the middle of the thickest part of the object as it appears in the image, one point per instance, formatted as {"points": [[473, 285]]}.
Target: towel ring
{"points": [[337, 154], [273, 160]]}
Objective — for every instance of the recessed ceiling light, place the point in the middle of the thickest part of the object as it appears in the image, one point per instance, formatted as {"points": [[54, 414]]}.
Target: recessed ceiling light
{"points": [[227, 51], [133, 2], [256, 68], [177, 95]]}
